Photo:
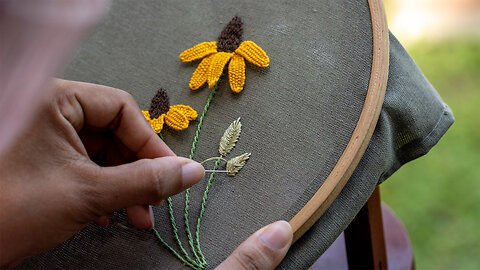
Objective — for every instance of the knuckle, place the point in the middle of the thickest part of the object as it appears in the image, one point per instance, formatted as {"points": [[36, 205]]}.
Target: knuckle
{"points": [[59, 85], [126, 104], [69, 107], [126, 97]]}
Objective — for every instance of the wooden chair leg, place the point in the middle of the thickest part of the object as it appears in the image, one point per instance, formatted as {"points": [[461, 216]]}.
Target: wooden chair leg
{"points": [[365, 238], [375, 236]]}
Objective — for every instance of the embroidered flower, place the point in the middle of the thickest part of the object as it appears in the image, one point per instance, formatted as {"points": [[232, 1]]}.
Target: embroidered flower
{"points": [[176, 117], [216, 55]]}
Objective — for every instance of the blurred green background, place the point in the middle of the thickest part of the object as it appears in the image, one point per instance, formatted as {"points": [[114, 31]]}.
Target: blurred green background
{"points": [[437, 197]]}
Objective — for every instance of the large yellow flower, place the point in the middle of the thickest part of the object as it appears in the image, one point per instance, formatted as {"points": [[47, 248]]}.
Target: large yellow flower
{"points": [[216, 55], [160, 113]]}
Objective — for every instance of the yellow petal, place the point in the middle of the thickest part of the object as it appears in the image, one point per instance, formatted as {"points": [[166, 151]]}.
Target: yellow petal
{"points": [[176, 119], [157, 123], [253, 54], [189, 113], [219, 60], [199, 77], [199, 51], [236, 73], [147, 115]]}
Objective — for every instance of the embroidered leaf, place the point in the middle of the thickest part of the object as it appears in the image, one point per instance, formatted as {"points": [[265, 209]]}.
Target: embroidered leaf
{"points": [[235, 164], [230, 137]]}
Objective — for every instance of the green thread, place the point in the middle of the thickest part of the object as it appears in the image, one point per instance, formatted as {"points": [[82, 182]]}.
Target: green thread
{"points": [[175, 252], [200, 121], [200, 262], [175, 231], [204, 203], [201, 259]]}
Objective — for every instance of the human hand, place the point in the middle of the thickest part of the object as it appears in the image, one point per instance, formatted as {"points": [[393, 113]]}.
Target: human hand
{"points": [[265, 249], [87, 152]]}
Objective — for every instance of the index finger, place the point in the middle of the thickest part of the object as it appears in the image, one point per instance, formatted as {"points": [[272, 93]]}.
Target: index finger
{"points": [[103, 108]]}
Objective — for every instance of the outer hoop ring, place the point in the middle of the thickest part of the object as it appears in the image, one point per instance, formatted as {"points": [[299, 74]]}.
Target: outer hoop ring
{"points": [[348, 161]]}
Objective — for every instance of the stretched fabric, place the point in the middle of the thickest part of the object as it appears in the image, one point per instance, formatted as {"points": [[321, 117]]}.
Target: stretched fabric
{"points": [[297, 117]]}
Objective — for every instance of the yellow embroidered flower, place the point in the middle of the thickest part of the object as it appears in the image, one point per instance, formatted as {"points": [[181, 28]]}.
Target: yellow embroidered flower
{"points": [[176, 117], [216, 55]]}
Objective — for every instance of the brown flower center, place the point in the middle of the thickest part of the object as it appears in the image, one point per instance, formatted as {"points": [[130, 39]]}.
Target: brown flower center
{"points": [[159, 105], [231, 36]]}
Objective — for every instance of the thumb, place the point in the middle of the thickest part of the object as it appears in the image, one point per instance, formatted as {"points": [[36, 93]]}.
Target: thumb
{"points": [[145, 181], [265, 249]]}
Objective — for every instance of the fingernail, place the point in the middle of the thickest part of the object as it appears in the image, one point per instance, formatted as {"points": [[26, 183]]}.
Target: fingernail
{"points": [[152, 217], [277, 235], [192, 172]]}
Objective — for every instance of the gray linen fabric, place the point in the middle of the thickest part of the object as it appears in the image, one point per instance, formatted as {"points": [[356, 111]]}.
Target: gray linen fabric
{"points": [[297, 118]]}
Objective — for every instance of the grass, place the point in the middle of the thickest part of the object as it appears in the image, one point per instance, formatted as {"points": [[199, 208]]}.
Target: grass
{"points": [[437, 197]]}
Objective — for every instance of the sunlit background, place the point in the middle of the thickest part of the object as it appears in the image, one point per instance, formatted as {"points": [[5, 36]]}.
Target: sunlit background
{"points": [[437, 197], [413, 20]]}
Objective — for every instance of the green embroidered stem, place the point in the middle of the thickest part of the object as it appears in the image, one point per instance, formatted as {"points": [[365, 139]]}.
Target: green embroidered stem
{"points": [[200, 121], [174, 252], [175, 232], [204, 203], [200, 259]]}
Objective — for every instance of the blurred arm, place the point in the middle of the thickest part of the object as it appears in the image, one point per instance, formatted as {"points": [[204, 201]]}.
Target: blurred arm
{"points": [[36, 37]]}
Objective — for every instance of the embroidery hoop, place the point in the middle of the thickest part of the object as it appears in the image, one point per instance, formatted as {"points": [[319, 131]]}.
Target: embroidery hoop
{"points": [[348, 161], [366, 116]]}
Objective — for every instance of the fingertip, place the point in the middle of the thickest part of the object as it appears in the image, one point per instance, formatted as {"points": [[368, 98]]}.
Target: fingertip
{"points": [[265, 249], [103, 221], [192, 173], [276, 236], [141, 216], [145, 182]]}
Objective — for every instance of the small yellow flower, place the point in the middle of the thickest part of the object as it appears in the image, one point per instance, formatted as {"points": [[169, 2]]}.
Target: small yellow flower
{"points": [[216, 55], [176, 117]]}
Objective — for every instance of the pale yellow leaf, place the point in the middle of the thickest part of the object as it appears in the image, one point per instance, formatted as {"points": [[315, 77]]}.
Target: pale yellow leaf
{"points": [[230, 137], [235, 164]]}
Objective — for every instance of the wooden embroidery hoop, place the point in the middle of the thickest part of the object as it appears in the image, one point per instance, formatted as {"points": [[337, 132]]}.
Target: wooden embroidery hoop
{"points": [[348, 161]]}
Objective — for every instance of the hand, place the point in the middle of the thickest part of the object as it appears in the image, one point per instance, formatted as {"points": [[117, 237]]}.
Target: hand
{"points": [[265, 249], [88, 152]]}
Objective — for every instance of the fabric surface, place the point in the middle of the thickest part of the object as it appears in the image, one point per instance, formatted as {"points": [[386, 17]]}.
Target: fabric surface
{"points": [[297, 117]]}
